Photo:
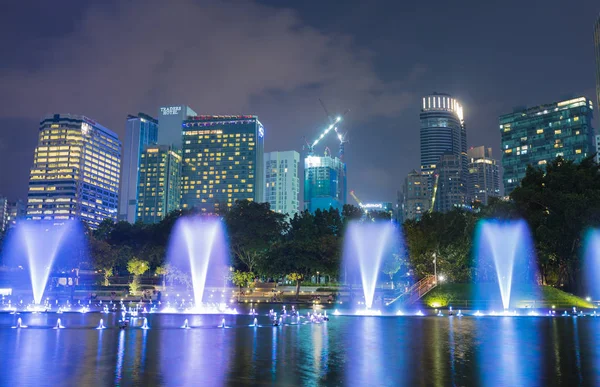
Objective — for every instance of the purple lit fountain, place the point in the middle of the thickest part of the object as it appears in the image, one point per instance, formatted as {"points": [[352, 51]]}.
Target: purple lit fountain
{"points": [[198, 251], [365, 245], [39, 245]]}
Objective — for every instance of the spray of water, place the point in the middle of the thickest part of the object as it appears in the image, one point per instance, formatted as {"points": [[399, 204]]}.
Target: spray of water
{"points": [[365, 245]]}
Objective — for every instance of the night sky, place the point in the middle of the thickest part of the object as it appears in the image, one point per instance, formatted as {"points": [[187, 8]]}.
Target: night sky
{"points": [[275, 59]]}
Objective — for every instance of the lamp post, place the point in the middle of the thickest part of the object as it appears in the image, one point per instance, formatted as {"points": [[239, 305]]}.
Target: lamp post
{"points": [[435, 268], [318, 279]]}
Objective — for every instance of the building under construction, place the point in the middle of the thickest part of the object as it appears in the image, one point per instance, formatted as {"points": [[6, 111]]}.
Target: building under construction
{"points": [[325, 176]]}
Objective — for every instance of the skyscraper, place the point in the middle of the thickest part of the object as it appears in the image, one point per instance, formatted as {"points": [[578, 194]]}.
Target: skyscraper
{"points": [[17, 210], [282, 183], [449, 188], [140, 131], [75, 172], [159, 190], [538, 135], [324, 183], [597, 49], [416, 196], [4, 215], [222, 161], [170, 121], [443, 131], [483, 180], [444, 134]]}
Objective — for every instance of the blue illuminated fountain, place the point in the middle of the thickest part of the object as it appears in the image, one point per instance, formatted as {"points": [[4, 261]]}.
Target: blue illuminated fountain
{"points": [[37, 244], [591, 265], [198, 247], [505, 255], [365, 245]]}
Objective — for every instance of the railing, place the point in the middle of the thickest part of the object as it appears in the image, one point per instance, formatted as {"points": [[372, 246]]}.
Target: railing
{"points": [[418, 290]]}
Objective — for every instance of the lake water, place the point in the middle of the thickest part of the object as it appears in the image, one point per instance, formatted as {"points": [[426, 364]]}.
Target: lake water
{"points": [[346, 351]]}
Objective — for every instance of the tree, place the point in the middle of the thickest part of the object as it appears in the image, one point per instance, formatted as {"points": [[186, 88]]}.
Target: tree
{"points": [[103, 257], [242, 279], [559, 203], [390, 266], [163, 271], [297, 277], [252, 228], [137, 267]]}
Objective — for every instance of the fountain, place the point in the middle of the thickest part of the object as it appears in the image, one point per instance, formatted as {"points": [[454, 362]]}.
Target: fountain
{"points": [[20, 324], [198, 247], [255, 322], [58, 325], [223, 323], [37, 244], [185, 324], [101, 325], [505, 255], [591, 265], [145, 324], [365, 246]]}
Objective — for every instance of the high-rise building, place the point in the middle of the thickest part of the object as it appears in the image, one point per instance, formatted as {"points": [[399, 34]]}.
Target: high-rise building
{"points": [[324, 183], [483, 180], [443, 131], [597, 50], [449, 187], [282, 183], [537, 135], [159, 190], [597, 149], [75, 172], [170, 121], [140, 131], [4, 215], [416, 196], [222, 161], [17, 210]]}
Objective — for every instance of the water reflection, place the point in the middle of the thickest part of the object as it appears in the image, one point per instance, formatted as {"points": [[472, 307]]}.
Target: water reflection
{"points": [[508, 353], [352, 351]]}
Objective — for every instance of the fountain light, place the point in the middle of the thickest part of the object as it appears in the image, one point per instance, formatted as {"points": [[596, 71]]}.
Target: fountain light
{"points": [[478, 314], [399, 313], [58, 325], [420, 313], [368, 312]]}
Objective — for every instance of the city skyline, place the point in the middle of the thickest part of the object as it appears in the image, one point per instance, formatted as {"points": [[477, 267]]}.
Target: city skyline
{"points": [[383, 122]]}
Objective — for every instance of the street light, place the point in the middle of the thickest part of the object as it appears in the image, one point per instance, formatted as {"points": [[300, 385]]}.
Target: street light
{"points": [[318, 279]]}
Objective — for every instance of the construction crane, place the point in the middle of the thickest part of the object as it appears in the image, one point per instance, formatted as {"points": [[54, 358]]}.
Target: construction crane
{"points": [[355, 198], [332, 126], [342, 137]]}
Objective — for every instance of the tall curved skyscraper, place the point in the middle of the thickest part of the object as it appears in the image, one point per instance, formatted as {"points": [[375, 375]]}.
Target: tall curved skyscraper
{"points": [[444, 151], [442, 131]]}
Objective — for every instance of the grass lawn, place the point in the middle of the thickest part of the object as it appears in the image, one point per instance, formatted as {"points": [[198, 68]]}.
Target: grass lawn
{"points": [[463, 295]]}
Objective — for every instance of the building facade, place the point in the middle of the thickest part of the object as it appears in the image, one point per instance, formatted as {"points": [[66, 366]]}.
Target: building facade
{"points": [[140, 131], [159, 190], [449, 190], [483, 181], [597, 51], [537, 135], [170, 121], [4, 214], [324, 183], [75, 172], [416, 196], [282, 183], [17, 211], [223, 161]]}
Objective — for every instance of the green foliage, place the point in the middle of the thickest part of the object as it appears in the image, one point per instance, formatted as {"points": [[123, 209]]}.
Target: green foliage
{"points": [[242, 278], [137, 266], [559, 204], [134, 286]]}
